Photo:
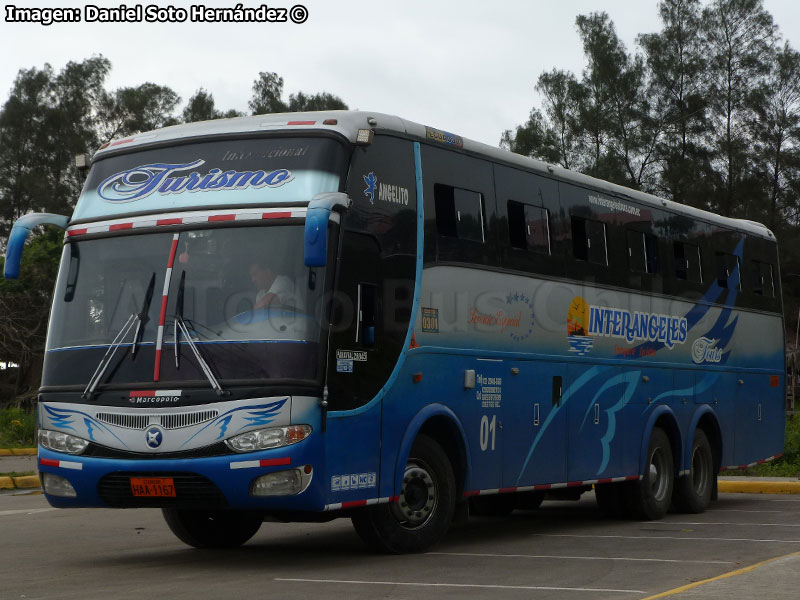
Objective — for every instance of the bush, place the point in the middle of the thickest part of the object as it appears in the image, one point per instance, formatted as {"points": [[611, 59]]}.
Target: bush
{"points": [[17, 428]]}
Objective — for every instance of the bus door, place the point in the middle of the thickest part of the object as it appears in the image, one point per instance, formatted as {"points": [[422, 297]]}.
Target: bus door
{"points": [[755, 416], [719, 391], [534, 440], [597, 432], [483, 421]]}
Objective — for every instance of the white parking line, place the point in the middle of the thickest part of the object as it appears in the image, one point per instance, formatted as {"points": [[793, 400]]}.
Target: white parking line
{"points": [[462, 585], [726, 523], [617, 558], [663, 537], [26, 511], [719, 510]]}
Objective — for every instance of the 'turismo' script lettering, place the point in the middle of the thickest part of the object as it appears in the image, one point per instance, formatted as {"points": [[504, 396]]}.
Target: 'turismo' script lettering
{"points": [[140, 182]]}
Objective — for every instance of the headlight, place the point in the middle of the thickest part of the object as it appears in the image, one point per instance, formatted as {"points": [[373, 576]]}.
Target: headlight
{"points": [[62, 442], [273, 437]]}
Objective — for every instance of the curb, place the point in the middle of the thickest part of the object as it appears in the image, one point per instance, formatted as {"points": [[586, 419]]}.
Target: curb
{"points": [[759, 487], [18, 451], [22, 482]]}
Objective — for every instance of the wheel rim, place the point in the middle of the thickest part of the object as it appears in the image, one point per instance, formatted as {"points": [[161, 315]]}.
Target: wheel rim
{"points": [[658, 474], [418, 497], [700, 471]]}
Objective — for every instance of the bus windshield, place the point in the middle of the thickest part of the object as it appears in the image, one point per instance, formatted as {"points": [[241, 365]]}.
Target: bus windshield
{"points": [[242, 295]]}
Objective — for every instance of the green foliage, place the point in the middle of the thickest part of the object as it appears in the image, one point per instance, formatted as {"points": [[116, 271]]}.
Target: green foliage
{"points": [[17, 428], [24, 306], [268, 90], [130, 110]]}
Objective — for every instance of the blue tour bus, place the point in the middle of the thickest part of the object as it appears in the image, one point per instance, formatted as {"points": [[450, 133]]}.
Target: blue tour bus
{"points": [[319, 315]]}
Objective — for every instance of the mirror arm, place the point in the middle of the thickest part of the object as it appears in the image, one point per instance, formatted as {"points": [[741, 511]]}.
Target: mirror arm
{"points": [[20, 232]]}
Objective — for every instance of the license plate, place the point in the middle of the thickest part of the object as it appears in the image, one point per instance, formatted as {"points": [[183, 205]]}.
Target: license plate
{"points": [[153, 487]]}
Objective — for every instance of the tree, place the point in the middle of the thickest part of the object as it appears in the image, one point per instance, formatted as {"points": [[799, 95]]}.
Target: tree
{"points": [[676, 63], [534, 139], [24, 306], [739, 35], [268, 92], [775, 128], [322, 101], [614, 110], [131, 110], [47, 120], [200, 107], [562, 101]]}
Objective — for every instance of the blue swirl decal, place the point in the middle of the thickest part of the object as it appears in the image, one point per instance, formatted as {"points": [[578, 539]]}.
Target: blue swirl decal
{"points": [[62, 418], [223, 426], [630, 380], [223, 421], [161, 178]]}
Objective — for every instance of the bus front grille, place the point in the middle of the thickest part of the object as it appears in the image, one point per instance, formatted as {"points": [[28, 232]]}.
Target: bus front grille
{"points": [[191, 491]]}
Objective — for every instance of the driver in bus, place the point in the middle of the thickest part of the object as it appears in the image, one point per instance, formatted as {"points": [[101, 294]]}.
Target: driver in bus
{"points": [[272, 288]]}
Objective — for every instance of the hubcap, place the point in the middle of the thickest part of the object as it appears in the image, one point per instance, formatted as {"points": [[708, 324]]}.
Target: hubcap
{"points": [[700, 469], [418, 497], [658, 474]]}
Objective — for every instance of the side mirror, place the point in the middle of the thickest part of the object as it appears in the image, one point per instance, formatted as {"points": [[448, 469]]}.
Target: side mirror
{"points": [[20, 232], [315, 237]]}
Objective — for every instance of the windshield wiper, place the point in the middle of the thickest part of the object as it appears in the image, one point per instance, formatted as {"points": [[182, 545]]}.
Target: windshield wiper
{"points": [[143, 318], [112, 350], [180, 328], [139, 319]]}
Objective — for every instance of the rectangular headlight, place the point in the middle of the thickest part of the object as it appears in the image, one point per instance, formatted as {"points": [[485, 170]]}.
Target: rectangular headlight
{"points": [[62, 442], [272, 437]]}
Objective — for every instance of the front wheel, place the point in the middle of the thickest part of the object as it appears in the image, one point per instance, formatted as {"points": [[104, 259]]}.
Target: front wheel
{"points": [[693, 491], [212, 528], [650, 497], [424, 510]]}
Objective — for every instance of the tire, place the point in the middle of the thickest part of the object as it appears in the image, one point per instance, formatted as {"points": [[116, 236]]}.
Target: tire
{"points": [[612, 499], [212, 528], [496, 505], [650, 497], [424, 511], [693, 492]]}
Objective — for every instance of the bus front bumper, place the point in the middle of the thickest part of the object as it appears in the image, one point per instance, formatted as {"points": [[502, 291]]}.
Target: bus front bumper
{"points": [[287, 478]]}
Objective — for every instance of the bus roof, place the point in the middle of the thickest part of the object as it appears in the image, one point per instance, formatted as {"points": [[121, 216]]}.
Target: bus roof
{"points": [[348, 123]]}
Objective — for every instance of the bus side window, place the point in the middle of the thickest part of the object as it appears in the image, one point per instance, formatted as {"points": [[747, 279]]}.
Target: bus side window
{"points": [[459, 213], [763, 283], [642, 252], [529, 227], [589, 240], [688, 266], [726, 265]]}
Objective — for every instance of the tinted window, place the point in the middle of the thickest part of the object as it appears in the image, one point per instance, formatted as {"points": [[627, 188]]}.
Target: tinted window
{"points": [[589, 240], [727, 264], [688, 266], [459, 213], [642, 252], [761, 275], [529, 227]]}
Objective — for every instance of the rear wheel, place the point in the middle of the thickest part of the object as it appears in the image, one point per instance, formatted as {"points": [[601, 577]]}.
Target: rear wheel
{"points": [[424, 510], [212, 528], [650, 497], [693, 491]]}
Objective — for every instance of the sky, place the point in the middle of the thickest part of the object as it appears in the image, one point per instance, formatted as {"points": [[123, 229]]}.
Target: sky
{"points": [[465, 66]]}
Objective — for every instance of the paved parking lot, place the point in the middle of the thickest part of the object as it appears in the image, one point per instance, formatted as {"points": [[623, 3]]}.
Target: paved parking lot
{"points": [[562, 550]]}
